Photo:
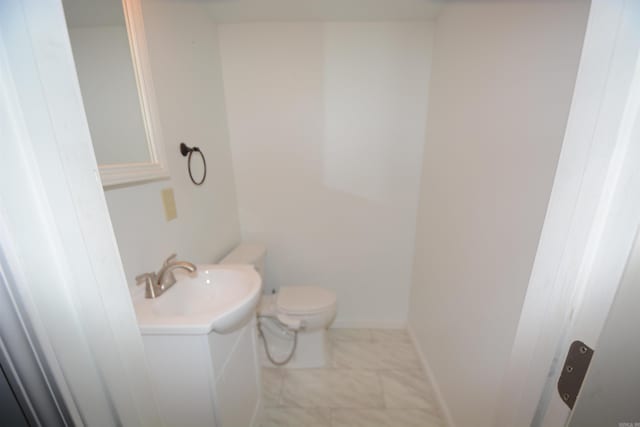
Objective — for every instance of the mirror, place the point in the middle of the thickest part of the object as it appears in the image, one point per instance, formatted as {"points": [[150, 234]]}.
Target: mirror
{"points": [[110, 53]]}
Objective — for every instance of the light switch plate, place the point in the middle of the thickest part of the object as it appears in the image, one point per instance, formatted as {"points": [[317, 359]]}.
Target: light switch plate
{"points": [[169, 203]]}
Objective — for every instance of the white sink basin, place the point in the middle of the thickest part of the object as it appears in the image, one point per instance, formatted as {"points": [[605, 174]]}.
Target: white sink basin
{"points": [[218, 298]]}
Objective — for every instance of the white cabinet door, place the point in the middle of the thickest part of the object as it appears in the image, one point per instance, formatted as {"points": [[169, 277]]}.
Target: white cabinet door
{"points": [[238, 387]]}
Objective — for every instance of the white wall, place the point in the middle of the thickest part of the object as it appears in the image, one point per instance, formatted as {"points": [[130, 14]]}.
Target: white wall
{"points": [[501, 86], [327, 126], [186, 71]]}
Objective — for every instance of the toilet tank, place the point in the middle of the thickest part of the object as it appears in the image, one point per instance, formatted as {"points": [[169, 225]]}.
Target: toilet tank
{"points": [[248, 253]]}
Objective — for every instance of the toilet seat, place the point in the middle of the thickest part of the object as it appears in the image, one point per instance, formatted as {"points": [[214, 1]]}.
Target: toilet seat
{"points": [[305, 300], [313, 306]]}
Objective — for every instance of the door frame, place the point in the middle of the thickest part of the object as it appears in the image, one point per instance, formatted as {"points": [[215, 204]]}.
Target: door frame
{"points": [[59, 259], [589, 166]]}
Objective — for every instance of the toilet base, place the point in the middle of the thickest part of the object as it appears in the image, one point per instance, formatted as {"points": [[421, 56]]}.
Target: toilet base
{"points": [[312, 350]]}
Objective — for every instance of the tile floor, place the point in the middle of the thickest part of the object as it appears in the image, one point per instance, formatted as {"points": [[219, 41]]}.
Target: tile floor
{"points": [[375, 379]]}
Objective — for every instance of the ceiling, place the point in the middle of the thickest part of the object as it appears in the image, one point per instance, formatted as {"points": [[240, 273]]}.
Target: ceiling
{"points": [[84, 13], [92, 13], [233, 11]]}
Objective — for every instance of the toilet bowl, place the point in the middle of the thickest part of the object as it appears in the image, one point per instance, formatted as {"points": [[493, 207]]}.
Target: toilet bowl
{"points": [[305, 311], [313, 306]]}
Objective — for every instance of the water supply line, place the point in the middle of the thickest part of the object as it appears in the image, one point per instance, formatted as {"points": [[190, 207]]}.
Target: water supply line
{"points": [[285, 329]]}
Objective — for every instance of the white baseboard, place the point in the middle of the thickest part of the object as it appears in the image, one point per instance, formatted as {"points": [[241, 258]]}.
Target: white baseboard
{"points": [[434, 384], [366, 324]]}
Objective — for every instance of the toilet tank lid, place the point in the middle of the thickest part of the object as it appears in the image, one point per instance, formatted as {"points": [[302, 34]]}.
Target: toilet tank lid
{"points": [[245, 253]]}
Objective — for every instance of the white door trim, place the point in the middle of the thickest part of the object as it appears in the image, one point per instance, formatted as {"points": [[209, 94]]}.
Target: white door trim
{"points": [[64, 267], [589, 165]]}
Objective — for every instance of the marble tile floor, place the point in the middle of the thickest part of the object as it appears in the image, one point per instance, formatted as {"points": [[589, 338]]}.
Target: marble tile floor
{"points": [[375, 379]]}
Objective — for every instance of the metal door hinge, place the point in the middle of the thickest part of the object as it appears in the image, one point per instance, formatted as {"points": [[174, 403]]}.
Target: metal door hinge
{"points": [[573, 372]]}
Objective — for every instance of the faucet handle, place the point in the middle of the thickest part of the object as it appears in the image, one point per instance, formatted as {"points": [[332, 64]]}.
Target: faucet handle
{"points": [[169, 260], [144, 278], [149, 280]]}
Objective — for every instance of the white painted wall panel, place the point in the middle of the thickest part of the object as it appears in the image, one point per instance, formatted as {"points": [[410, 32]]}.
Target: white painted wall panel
{"points": [[501, 87], [327, 126]]}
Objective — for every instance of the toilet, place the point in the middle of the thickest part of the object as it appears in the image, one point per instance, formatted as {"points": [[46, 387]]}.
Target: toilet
{"points": [[309, 310]]}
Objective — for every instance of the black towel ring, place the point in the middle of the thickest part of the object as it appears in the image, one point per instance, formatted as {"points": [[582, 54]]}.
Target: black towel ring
{"points": [[186, 150]]}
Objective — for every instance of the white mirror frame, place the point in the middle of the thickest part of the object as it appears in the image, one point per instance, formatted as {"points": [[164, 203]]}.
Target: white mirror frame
{"points": [[156, 167]]}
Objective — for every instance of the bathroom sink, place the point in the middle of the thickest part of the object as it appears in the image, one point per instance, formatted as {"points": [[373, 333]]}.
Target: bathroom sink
{"points": [[218, 298]]}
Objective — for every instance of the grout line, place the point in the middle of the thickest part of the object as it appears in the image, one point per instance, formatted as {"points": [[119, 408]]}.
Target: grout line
{"points": [[384, 401], [281, 391]]}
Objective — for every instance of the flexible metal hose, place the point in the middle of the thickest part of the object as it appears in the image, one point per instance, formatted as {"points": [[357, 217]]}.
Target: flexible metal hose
{"points": [[266, 345]]}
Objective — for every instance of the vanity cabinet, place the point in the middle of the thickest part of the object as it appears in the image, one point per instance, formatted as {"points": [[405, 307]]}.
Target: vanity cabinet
{"points": [[206, 380]]}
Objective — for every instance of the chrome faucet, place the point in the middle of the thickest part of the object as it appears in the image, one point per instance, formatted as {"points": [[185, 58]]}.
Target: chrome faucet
{"points": [[157, 283]]}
